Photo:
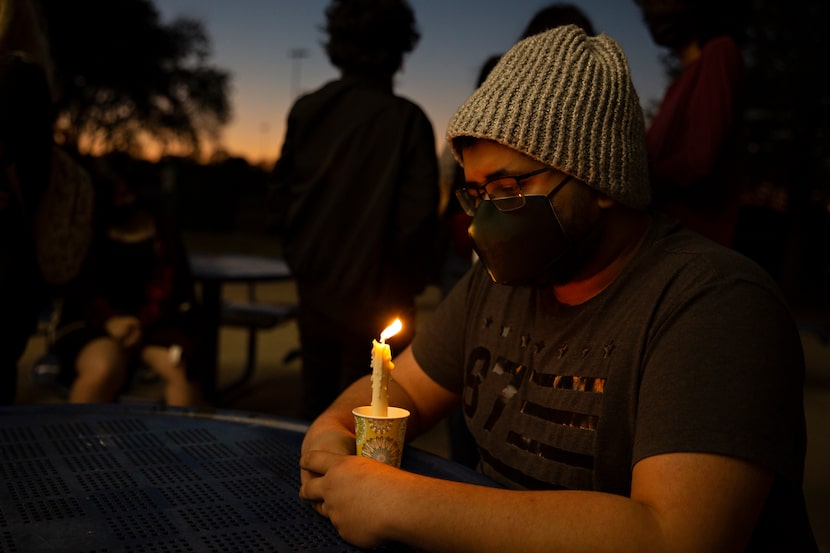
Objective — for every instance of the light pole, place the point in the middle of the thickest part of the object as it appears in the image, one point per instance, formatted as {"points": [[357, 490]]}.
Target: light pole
{"points": [[297, 55], [263, 146]]}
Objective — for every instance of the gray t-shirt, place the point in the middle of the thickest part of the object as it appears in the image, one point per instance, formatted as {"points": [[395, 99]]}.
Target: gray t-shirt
{"points": [[691, 349]]}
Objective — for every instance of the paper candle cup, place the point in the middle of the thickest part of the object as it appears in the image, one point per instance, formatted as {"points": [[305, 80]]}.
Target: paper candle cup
{"points": [[380, 438]]}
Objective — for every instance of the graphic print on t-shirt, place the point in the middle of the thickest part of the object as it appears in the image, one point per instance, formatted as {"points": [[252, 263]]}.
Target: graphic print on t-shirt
{"points": [[526, 408]]}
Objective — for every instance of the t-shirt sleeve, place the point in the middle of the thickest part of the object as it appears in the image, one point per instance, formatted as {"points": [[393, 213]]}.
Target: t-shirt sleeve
{"points": [[439, 345], [709, 384]]}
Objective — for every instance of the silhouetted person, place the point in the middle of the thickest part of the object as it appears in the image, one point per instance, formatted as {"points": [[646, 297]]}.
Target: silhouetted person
{"points": [[559, 13], [695, 138], [555, 15], [26, 118], [356, 198], [457, 247]]}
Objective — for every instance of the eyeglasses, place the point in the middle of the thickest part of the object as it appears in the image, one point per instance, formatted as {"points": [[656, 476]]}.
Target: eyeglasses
{"points": [[505, 192]]}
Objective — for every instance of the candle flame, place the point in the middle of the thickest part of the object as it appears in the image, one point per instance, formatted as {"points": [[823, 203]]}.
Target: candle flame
{"points": [[391, 330]]}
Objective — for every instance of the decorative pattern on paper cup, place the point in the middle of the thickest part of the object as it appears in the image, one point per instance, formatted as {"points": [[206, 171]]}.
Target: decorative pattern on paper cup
{"points": [[385, 450], [380, 438]]}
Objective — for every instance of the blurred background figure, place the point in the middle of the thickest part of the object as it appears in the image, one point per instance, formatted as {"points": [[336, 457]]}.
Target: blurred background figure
{"points": [[456, 247], [355, 198], [695, 138], [555, 15], [26, 118], [134, 303]]}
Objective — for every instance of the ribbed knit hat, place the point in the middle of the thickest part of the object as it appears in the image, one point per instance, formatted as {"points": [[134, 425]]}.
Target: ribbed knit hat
{"points": [[566, 99]]}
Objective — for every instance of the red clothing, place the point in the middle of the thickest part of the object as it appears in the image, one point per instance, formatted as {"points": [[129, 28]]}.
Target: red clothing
{"points": [[149, 279], [693, 143]]}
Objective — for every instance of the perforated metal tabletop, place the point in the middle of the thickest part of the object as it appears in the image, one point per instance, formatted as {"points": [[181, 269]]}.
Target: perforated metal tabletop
{"points": [[142, 479]]}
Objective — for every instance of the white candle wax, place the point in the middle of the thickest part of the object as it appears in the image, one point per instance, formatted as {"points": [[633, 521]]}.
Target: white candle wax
{"points": [[381, 367]]}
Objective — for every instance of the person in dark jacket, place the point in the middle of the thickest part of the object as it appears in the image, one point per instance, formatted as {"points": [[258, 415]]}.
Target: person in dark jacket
{"points": [[355, 198]]}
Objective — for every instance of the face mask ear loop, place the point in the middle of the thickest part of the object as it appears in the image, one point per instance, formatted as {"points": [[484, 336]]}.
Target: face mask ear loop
{"points": [[550, 196], [556, 188]]}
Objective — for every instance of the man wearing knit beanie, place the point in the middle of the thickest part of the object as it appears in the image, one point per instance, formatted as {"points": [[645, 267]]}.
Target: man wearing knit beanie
{"points": [[631, 385]]}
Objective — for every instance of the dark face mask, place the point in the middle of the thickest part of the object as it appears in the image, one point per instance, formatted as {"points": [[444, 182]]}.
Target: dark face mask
{"points": [[521, 246]]}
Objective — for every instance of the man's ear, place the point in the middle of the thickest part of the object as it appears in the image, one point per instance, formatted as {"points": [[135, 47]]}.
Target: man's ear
{"points": [[604, 202]]}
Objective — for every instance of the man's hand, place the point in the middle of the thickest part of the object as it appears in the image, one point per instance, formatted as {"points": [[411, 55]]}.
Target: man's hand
{"points": [[355, 493], [337, 441]]}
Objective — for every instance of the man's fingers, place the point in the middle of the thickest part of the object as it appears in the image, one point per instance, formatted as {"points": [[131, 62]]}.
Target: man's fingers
{"points": [[318, 461], [314, 465]]}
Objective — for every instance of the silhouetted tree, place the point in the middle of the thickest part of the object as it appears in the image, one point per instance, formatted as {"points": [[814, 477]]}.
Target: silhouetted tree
{"points": [[126, 80]]}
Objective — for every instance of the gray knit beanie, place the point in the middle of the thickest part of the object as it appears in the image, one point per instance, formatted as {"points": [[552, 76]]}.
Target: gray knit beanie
{"points": [[565, 99]]}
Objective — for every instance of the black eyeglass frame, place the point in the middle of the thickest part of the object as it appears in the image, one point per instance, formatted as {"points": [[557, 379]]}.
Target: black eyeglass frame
{"points": [[470, 197]]}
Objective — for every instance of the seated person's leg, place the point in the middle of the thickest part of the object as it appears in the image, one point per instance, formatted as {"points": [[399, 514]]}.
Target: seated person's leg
{"points": [[101, 372], [168, 363]]}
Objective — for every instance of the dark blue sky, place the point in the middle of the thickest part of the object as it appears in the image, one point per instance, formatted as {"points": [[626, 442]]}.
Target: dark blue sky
{"points": [[252, 39]]}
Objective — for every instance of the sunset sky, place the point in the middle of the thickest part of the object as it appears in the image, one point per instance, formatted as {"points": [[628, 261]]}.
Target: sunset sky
{"points": [[254, 39]]}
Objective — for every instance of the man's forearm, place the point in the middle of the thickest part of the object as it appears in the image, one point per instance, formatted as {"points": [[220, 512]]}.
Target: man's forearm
{"points": [[338, 419]]}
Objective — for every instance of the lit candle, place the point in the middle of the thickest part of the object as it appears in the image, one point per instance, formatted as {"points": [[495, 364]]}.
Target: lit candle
{"points": [[381, 367]]}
